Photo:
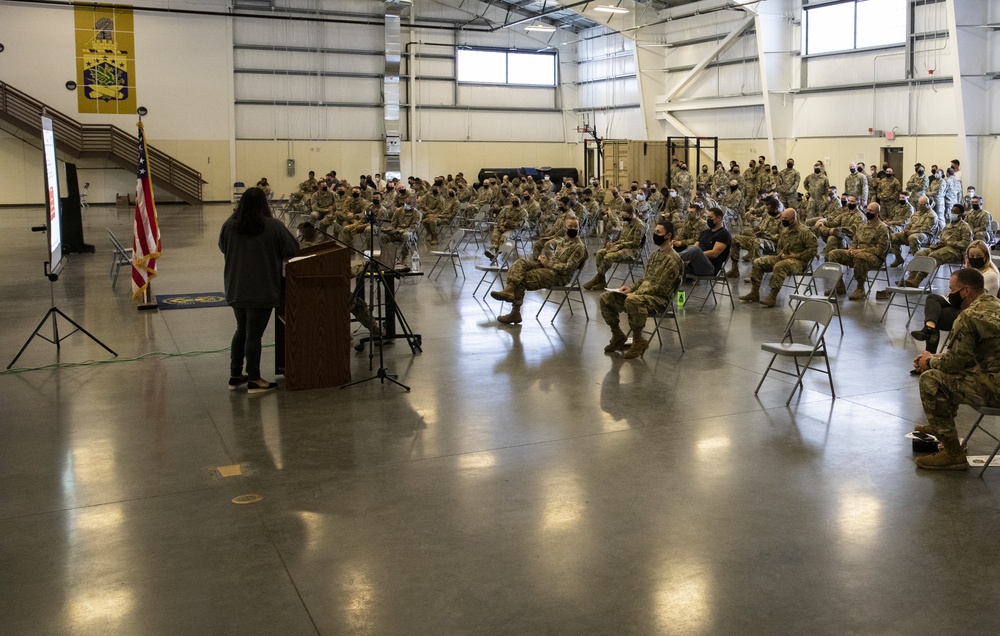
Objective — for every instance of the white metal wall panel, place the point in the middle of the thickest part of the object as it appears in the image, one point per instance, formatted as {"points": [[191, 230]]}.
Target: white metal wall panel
{"points": [[301, 61], [430, 67], [485, 126], [923, 110], [727, 123], [600, 94], [429, 92], [280, 88], [505, 96], [293, 122], [619, 124]]}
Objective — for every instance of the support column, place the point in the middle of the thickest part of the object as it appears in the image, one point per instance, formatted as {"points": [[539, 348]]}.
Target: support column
{"points": [[972, 94]]}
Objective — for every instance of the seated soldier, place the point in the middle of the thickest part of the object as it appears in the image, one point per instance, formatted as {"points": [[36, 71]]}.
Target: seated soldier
{"points": [[402, 229], [797, 246], [916, 233], [709, 254], [763, 237], [443, 215], [510, 218], [555, 229], [965, 374], [555, 266], [980, 221], [901, 213], [623, 248], [835, 230], [689, 228], [868, 248], [359, 224], [950, 247], [650, 294]]}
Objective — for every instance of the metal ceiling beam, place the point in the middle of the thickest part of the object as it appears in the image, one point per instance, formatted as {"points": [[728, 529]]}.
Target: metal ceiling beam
{"points": [[718, 50], [541, 15]]}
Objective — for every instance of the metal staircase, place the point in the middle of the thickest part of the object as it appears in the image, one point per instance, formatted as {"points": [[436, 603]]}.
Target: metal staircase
{"points": [[96, 141]]}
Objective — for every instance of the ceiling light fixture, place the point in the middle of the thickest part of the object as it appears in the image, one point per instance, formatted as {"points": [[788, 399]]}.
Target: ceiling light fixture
{"points": [[541, 28], [610, 9]]}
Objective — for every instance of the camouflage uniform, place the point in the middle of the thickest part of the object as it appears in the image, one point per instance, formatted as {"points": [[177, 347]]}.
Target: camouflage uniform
{"points": [[950, 247], [979, 221], [625, 247], [935, 192], [797, 241], [684, 183], [916, 234], [751, 239], [817, 185], [402, 229], [872, 239], [899, 216], [788, 186], [733, 203], [951, 190], [856, 184], [720, 183], [510, 218], [888, 191], [704, 180], [443, 215], [359, 225], [838, 228], [674, 207], [321, 204], [651, 293], [917, 186], [968, 372], [566, 255], [689, 231]]}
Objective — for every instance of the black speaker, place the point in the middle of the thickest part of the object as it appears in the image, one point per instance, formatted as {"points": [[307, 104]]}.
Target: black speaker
{"points": [[72, 215]]}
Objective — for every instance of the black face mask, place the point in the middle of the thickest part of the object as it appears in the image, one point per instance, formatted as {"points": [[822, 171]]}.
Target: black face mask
{"points": [[736, 171], [355, 194], [733, 188], [853, 170], [659, 239], [975, 206], [888, 175], [516, 204], [816, 170], [341, 193], [773, 212], [920, 173], [955, 300], [852, 206], [786, 223], [572, 232], [789, 164], [902, 201], [978, 263], [870, 215]]}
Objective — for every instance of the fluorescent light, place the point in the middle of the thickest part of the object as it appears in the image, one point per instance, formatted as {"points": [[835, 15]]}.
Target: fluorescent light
{"points": [[541, 28], [610, 9]]}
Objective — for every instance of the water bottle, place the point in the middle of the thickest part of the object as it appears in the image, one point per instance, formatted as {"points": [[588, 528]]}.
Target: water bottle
{"points": [[415, 261]]}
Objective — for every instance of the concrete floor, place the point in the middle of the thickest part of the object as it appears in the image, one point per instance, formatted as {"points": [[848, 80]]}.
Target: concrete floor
{"points": [[528, 484]]}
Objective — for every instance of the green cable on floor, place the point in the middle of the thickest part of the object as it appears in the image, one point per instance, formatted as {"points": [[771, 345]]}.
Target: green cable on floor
{"points": [[90, 363]]}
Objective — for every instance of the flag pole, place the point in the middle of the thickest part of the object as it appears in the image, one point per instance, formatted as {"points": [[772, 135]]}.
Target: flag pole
{"points": [[148, 297]]}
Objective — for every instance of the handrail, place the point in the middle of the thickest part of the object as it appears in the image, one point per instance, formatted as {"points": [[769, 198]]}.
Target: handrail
{"points": [[99, 140]]}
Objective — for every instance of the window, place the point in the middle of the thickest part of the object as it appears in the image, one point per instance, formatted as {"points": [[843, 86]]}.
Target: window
{"points": [[484, 66], [855, 24]]}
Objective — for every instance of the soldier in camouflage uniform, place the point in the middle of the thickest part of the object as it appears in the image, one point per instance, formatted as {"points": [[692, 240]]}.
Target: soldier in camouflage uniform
{"points": [[720, 181], [980, 221], [442, 215], [623, 248], [509, 219], [817, 185], [704, 179], [763, 236], [555, 266], [950, 247], [967, 373], [684, 182], [917, 185], [693, 225], [888, 189], [650, 294], [951, 189], [856, 184], [359, 225], [788, 184], [796, 248], [869, 247], [899, 215], [321, 204], [734, 203], [837, 229], [402, 228], [674, 206], [917, 232]]}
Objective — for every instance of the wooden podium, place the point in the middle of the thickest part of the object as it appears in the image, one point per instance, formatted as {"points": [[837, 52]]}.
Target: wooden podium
{"points": [[313, 329]]}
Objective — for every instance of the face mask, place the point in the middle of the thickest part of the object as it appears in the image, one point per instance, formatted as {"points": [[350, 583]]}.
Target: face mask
{"points": [[870, 215], [628, 199], [733, 188], [516, 204], [975, 206], [853, 170], [786, 223], [736, 170], [889, 175], [852, 206], [953, 217], [816, 170], [634, 188], [711, 223], [626, 217], [355, 195], [775, 171], [978, 263], [920, 173], [673, 194], [659, 239], [341, 193], [408, 206], [789, 164], [955, 300], [572, 232], [902, 201]]}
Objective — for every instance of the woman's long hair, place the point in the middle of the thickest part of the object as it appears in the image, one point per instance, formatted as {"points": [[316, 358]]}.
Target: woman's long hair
{"points": [[250, 212]]}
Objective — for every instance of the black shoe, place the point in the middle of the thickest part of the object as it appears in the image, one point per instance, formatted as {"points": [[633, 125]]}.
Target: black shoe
{"points": [[490, 255], [932, 341], [921, 335], [236, 381], [254, 388]]}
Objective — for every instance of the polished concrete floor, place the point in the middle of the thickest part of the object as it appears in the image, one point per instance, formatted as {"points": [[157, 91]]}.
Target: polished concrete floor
{"points": [[528, 484]]}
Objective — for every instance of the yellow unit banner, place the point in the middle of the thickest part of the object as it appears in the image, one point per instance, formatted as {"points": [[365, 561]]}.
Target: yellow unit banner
{"points": [[105, 59]]}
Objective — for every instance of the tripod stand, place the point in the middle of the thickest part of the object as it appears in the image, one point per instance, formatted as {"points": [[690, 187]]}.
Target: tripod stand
{"points": [[373, 274], [54, 312]]}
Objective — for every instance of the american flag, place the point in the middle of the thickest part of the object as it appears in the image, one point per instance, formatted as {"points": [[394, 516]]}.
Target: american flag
{"points": [[146, 233]]}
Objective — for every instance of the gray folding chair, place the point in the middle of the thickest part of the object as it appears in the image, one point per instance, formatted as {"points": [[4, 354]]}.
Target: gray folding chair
{"points": [[919, 264], [498, 270], [718, 279], [450, 252], [661, 320], [984, 411], [121, 255], [631, 264], [818, 312], [832, 274], [574, 287], [873, 275]]}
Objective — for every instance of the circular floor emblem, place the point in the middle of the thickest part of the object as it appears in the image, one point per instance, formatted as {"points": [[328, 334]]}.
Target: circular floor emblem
{"points": [[247, 499], [194, 300]]}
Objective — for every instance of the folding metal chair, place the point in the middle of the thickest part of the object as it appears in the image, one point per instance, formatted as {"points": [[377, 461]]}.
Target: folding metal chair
{"points": [[121, 255], [984, 411], [574, 287], [450, 252], [498, 270], [818, 312], [631, 263], [871, 279], [668, 313], [833, 274], [919, 264], [719, 278]]}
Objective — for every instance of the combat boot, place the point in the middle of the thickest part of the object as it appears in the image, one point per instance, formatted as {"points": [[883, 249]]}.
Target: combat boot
{"points": [[858, 293], [503, 295], [752, 297], [951, 457], [841, 289], [597, 282], [771, 300], [924, 428], [914, 280], [618, 338], [733, 272], [513, 318], [898, 260], [638, 347]]}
